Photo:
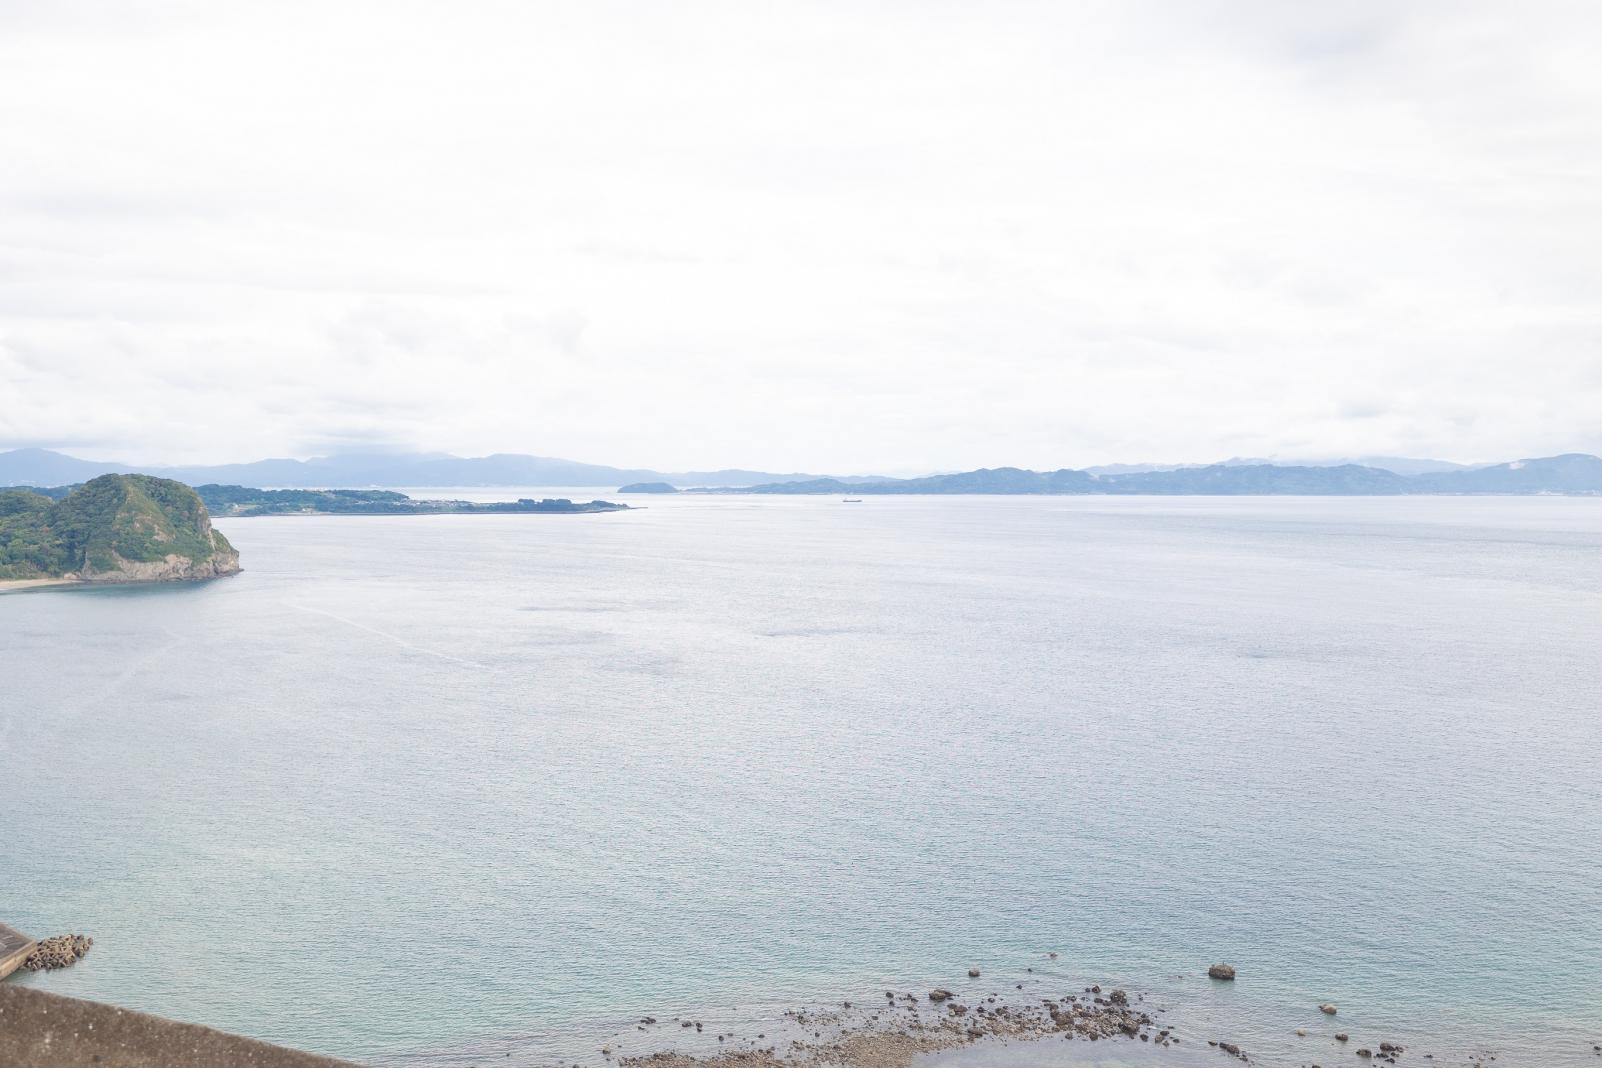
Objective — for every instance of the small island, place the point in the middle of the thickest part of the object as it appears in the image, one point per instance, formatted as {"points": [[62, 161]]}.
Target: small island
{"points": [[244, 501], [649, 487], [111, 529]]}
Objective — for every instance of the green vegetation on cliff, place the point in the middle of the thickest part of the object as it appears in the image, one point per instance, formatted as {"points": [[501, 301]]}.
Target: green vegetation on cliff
{"points": [[28, 547], [112, 528]]}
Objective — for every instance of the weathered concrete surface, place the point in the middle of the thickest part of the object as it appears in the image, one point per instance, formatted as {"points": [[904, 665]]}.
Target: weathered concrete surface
{"points": [[14, 949], [40, 1030]]}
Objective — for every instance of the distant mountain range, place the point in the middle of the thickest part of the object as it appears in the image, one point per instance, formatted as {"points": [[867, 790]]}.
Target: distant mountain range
{"points": [[42, 467], [1401, 465], [1573, 473]]}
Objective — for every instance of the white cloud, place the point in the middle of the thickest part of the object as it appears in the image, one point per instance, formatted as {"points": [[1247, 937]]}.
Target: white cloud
{"points": [[814, 236]]}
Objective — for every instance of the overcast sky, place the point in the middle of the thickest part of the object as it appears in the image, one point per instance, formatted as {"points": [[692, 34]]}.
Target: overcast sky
{"points": [[854, 236]]}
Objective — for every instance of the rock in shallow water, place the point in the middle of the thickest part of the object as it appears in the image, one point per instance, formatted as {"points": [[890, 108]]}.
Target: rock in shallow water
{"points": [[1221, 971], [62, 951]]}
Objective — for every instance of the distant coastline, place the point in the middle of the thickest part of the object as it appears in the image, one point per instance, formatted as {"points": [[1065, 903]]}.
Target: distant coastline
{"points": [[243, 501]]}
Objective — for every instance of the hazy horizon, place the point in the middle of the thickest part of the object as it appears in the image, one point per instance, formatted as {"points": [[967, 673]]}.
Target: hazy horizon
{"points": [[404, 452]]}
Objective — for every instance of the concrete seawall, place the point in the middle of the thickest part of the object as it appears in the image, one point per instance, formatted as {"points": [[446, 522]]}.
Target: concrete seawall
{"points": [[40, 1030], [14, 949]]}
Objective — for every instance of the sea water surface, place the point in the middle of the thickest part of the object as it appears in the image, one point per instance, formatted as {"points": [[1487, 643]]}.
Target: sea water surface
{"points": [[431, 790]]}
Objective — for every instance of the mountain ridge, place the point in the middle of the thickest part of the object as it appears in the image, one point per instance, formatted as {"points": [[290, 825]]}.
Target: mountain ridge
{"points": [[1570, 473]]}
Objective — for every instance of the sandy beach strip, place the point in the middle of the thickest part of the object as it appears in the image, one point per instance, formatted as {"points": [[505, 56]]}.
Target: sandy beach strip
{"points": [[18, 585]]}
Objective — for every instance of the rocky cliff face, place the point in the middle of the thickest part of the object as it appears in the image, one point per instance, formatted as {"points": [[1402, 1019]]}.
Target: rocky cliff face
{"points": [[173, 567]]}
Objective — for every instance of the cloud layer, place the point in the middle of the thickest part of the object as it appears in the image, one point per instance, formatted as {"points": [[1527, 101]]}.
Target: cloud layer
{"points": [[824, 236]]}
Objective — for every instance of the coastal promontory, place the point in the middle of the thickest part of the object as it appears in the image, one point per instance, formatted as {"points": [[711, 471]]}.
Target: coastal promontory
{"points": [[112, 529]]}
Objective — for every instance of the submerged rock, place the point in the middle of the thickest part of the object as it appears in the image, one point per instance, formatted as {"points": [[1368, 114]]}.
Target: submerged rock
{"points": [[1327, 1009]]}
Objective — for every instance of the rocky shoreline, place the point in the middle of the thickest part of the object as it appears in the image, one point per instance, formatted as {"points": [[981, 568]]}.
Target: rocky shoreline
{"points": [[904, 1030], [928, 1028], [903, 1026], [943, 1028]]}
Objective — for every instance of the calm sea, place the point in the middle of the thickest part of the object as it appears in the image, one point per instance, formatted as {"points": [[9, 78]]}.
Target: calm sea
{"points": [[437, 790]]}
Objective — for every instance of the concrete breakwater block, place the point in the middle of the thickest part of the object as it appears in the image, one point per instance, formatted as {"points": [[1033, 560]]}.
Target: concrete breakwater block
{"points": [[59, 951], [14, 949]]}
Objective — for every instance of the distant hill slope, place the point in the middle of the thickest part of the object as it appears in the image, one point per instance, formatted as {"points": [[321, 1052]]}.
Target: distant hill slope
{"points": [[1400, 465], [1258, 479], [998, 480], [1218, 479], [115, 528], [1572, 474], [42, 467]]}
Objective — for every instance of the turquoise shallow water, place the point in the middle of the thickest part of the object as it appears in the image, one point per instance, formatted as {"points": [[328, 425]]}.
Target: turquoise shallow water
{"points": [[420, 790]]}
